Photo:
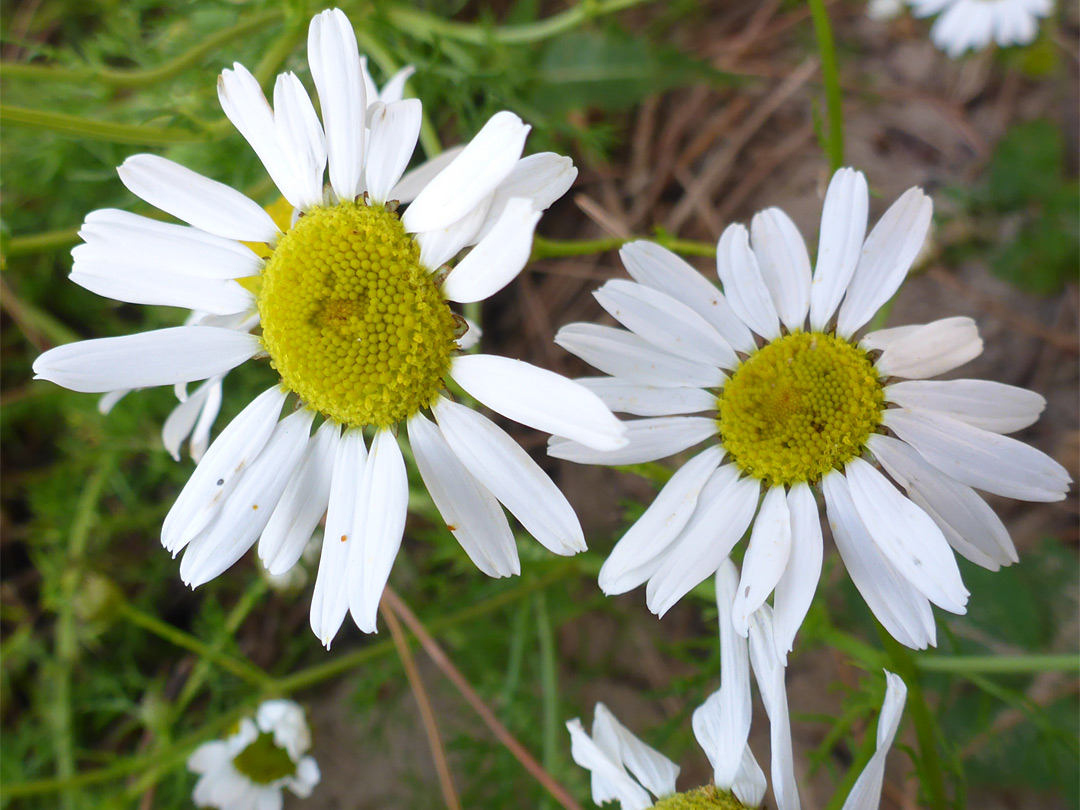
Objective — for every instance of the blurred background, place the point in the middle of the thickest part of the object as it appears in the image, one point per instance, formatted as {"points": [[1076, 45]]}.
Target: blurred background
{"points": [[682, 117]]}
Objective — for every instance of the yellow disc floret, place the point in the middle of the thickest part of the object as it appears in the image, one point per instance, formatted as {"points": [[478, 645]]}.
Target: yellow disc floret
{"points": [[800, 407], [352, 322], [703, 798]]}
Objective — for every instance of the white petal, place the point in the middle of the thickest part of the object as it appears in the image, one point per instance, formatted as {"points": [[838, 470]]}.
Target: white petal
{"points": [[472, 336], [378, 526], [200, 436], [647, 440], [302, 504], [646, 400], [886, 257], [725, 508], [440, 246], [979, 458], [146, 359], [624, 354], [659, 268], [472, 514], [394, 89], [506, 470], [665, 323], [653, 770], [896, 603], [881, 339], [750, 784], [843, 228], [215, 476], [769, 673], [609, 779], [743, 285], [541, 179], [766, 557], [109, 400], [980, 403], [906, 535], [246, 510], [413, 182], [182, 419], [658, 527], [795, 590], [540, 399], [122, 281], [245, 105], [136, 241], [722, 723], [197, 200], [484, 163], [932, 349], [330, 599], [784, 264], [866, 792], [497, 258], [970, 526], [394, 130], [335, 67], [302, 140]]}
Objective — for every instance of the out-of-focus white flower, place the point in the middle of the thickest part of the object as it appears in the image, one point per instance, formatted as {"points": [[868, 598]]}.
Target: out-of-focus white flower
{"points": [[973, 24]]}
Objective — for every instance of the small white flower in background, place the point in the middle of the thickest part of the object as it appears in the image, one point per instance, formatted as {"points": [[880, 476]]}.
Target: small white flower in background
{"points": [[353, 302], [884, 10], [627, 770], [249, 769], [973, 24], [796, 406]]}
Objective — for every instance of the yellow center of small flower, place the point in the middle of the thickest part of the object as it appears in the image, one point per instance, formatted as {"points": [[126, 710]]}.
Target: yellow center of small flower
{"points": [[263, 762], [709, 797], [352, 322], [799, 407]]}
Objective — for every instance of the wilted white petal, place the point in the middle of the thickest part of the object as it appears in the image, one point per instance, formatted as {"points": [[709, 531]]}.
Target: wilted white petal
{"points": [[866, 793], [653, 770]]}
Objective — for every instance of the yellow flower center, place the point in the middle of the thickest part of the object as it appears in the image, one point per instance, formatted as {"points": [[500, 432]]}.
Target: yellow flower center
{"points": [[799, 407], [263, 762], [352, 322], [709, 797]]}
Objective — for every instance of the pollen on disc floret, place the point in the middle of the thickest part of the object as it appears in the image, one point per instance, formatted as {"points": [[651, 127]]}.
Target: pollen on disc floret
{"points": [[799, 407], [353, 323]]}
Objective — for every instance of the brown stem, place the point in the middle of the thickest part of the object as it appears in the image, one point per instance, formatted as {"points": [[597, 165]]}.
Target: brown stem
{"points": [[440, 659], [427, 714]]}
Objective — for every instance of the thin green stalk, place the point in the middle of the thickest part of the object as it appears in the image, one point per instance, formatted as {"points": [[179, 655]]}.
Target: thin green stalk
{"points": [[142, 76], [423, 25], [241, 610], [242, 669], [67, 645], [95, 130], [38, 242], [903, 664], [275, 55], [560, 248], [549, 684], [998, 664], [834, 137], [516, 656]]}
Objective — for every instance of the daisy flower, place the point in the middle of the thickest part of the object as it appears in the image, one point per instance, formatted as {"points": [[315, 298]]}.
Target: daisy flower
{"points": [[973, 24], [353, 304], [795, 402], [626, 770], [249, 769]]}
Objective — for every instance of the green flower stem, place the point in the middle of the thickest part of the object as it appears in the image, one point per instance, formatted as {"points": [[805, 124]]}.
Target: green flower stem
{"points": [[929, 766], [997, 664], [549, 686], [143, 76], [247, 602], [67, 644], [559, 248], [39, 242], [834, 137], [425, 26], [242, 669], [95, 130]]}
